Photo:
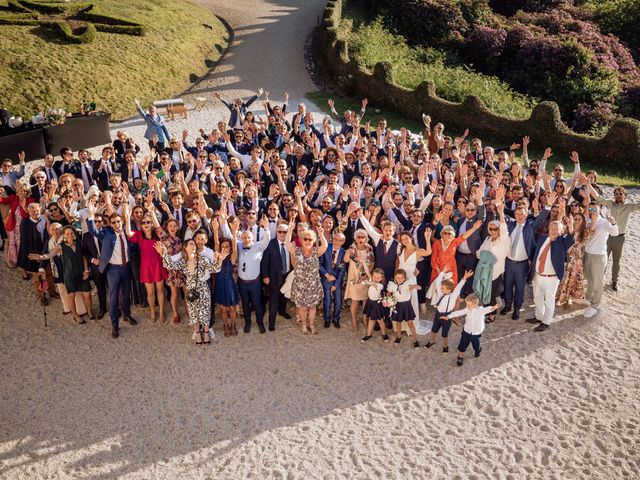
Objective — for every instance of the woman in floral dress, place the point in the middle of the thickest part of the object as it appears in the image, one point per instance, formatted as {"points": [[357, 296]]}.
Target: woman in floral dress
{"points": [[194, 267], [572, 286], [18, 203], [176, 279], [306, 290]]}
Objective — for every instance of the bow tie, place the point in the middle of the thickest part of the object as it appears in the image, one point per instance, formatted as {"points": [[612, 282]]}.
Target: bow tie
{"points": [[246, 248]]}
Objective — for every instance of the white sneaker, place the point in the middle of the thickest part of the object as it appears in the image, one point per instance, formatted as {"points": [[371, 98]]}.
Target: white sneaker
{"points": [[590, 312]]}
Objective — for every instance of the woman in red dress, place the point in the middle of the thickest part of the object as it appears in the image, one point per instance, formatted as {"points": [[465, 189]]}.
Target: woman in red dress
{"points": [[152, 272], [443, 251]]}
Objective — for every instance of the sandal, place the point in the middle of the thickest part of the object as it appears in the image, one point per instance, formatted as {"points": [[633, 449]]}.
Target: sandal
{"points": [[227, 332], [198, 336], [79, 320], [206, 335], [490, 319], [234, 332]]}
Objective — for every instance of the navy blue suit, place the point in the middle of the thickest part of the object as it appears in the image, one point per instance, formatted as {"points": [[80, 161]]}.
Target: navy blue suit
{"points": [[337, 270], [469, 261], [271, 268], [559, 248], [118, 276], [515, 273]]}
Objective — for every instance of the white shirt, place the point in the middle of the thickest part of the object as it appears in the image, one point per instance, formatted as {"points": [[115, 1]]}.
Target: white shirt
{"points": [[464, 246], [474, 323], [548, 265], [597, 243], [520, 251], [375, 291], [116, 255], [444, 302], [375, 236], [401, 292], [249, 260], [500, 249]]}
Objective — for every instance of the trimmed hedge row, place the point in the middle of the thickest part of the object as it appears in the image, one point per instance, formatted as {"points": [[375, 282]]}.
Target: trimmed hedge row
{"points": [[621, 145]]}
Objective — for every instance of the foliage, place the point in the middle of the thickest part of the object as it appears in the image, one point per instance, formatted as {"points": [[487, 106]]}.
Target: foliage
{"points": [[620, 17], [548, 49], [374, 43], [38, 69]]}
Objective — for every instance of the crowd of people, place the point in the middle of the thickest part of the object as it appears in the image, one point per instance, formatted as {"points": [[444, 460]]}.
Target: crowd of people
{"points": [[265, 209]]}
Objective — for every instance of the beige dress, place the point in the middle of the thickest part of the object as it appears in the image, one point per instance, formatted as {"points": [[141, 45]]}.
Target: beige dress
{"points": [[354, 289]]}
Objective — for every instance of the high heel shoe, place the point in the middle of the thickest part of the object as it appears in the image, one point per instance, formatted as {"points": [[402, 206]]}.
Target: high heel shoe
{"points": [[198, 336], [208, 336]]}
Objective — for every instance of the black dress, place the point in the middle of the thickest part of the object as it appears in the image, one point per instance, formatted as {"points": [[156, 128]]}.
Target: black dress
{"points": [[73, 269]]}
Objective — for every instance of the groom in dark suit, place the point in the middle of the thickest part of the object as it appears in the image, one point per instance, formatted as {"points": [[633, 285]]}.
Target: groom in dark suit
{"points": [[91, 248], [332, 272], [274, 268]]}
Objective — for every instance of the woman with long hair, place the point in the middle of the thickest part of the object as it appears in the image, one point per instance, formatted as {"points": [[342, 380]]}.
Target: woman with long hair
{"points": [[226, 294], [306, 289], [152, 273], [408, 260], [18, 204], [572, 285], [194, 266], [175, 279], [75, 272]]}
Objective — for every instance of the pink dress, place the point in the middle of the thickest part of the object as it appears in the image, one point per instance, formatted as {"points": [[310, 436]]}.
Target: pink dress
{"points": [[151, 269]]}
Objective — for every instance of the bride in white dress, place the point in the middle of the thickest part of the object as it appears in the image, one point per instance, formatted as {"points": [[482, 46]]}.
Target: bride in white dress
{"points": [[407, 261]]}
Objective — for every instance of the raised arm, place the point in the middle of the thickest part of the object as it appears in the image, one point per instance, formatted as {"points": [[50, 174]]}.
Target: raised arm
{"points": [[375, 236]]}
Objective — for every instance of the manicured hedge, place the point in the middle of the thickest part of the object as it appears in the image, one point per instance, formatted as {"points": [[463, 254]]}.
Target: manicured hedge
{"points": [[621, 144]]}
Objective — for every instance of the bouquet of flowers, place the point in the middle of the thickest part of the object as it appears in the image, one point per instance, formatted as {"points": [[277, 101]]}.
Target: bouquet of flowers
{"points": [[56, 116], [388, 300]]}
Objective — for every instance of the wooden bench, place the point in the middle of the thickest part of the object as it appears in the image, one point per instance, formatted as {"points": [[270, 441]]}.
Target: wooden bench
{"points": [[176, 110], [173, 106]]}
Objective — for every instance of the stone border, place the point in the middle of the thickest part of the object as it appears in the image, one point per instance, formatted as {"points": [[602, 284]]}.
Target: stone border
{"points": [[620, 146]]}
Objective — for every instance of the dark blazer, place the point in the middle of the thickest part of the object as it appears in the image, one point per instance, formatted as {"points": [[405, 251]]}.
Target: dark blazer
{"points": [[108, 237], [204, 225], [338, 270], [558, 249], [35, 193], [89, 249], [31, 241], [271, 264], [477, 237], [529, 230], [72, 167], [232, 110], [165, 215], [349, 232]]}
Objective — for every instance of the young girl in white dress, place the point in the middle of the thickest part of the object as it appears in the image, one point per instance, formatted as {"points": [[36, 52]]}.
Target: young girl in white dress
{"points": [[403, 311], [373, 309]]}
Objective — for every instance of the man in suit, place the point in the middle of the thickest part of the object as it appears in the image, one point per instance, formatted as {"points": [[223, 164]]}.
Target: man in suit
{"points": [[37, 191], [547, 270], [523, 245], [466, 259], [417, 228], [67, 164], [274, 268], [176, 210], [33, 240], [332, 271], [115, 262], [353, 224], [91, 248], [9, 176], [237, 109]]}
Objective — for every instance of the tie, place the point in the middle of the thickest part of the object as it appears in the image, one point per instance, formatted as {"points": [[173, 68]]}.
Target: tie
{"points": [[542, 259], [49, 174], [123, 248], [97, 245], [384, 247], [179, 217], [353, 225], [283, 258], [335, 258], [515, 241], [86, 171], [257, 234]]}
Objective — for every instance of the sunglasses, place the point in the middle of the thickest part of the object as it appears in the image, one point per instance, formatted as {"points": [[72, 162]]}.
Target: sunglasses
{"points": [[146, 222], [191, 221], [307, 239], [446, 233], [470, 209], [493, 229], [281, 231]]}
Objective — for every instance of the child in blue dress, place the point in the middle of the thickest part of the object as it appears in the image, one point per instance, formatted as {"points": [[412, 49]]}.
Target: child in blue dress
{"points": [[373, 309]]}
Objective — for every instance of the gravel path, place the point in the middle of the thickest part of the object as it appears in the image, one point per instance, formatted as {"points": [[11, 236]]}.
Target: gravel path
{"points": [[267, 51]]}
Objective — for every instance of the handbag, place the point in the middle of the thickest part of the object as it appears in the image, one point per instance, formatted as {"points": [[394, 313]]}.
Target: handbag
{"points": [[193, 294]]}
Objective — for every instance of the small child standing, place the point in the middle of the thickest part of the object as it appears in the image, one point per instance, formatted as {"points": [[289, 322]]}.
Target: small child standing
{"points": [[473, 325], [401, 290], [373, 309], [445, 302]]}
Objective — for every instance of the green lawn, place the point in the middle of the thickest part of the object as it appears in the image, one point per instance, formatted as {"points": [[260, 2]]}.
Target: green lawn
{"points": [[38, 70], [395, 121]]}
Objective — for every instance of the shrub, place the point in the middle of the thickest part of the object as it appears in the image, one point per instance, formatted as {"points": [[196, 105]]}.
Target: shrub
{"points": [[511, 7], [373, 43], [620, 17]]}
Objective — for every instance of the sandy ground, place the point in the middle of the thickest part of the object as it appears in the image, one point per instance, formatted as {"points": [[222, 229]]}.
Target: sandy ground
{"points": [[76, 404]]}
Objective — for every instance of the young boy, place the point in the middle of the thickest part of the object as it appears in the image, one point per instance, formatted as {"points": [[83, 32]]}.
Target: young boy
{"points": [[445, 301], [473, 325]]}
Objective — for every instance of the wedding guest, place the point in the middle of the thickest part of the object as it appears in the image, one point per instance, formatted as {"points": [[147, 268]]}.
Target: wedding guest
{"points": [[275, 266], [156, 130], [226, 294], [91, 248], [373, 309], [595, 256], [360, 258], [572, 285], [75, 272], [306, 290], [332, 271]]}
